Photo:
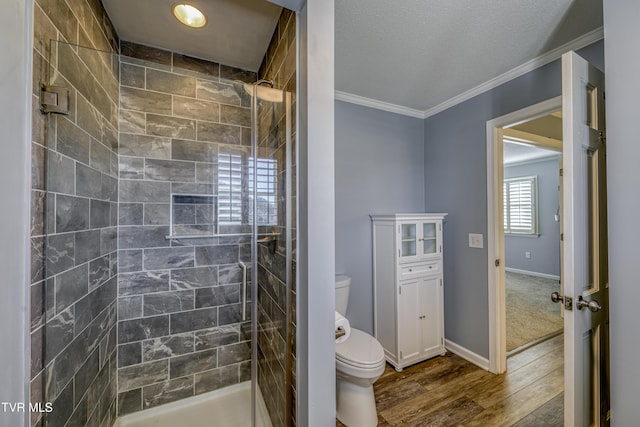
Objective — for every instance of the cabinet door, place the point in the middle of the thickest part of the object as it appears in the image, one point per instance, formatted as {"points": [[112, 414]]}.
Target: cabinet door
{"points": [[409, 306], [429, 241], [409, 243], [430, 300]]}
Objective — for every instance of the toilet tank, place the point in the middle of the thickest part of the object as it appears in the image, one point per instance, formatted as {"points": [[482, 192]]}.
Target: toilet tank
{"points": [[343, 283]]}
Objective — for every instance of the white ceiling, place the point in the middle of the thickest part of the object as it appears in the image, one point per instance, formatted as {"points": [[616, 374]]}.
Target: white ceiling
{"points": [[420, 53], [237, 33], [518, 153]]}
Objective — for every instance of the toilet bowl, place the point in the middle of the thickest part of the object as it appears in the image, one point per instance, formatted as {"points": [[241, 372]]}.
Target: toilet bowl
{"points": [[359, 363]]}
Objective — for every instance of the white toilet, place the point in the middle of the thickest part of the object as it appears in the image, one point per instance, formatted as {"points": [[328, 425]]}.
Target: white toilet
{"points": [[359, 364]]}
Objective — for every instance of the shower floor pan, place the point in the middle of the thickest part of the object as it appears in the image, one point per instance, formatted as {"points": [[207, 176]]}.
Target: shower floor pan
{"points": [[228, 407]]}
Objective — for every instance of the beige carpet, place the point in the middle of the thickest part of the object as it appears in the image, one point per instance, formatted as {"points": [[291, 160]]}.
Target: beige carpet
{"points": [[530, 313]]}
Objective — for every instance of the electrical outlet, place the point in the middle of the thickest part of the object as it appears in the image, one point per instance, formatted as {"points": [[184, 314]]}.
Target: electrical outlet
{"points": [[475, 240], [527, 255]]}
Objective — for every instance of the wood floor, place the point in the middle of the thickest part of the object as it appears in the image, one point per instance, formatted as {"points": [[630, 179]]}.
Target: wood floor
{"points": [[449, 391]]}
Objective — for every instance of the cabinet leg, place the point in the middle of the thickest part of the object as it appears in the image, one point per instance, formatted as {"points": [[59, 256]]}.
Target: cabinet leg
{"points": [[398, 368]]}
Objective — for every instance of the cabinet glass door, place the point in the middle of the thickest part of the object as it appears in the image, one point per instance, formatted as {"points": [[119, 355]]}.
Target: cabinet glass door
{"points": [[409, 241], [429, 238]]}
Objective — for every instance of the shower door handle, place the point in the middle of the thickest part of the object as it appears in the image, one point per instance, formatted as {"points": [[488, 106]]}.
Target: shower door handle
{"points": [[244, 290]]}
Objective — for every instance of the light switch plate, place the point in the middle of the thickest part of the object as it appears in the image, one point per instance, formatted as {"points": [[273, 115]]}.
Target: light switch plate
{"points": [[475, 241]]}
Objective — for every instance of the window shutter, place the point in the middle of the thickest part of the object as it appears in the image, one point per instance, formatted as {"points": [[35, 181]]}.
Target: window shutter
{"points": [[266, 191], [231, 173], [230, 188], [520, 210]]}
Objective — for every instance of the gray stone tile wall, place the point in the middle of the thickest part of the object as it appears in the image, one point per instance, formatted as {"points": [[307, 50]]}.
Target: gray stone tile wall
{"points": [[276, 324], [179, 327], [177, 323], [74, 207]]}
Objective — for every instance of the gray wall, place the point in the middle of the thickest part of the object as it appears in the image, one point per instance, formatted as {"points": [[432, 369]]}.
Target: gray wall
{"points": [[621, 33], [379, 169], [544, 249], [456, 182], [15, 86]]}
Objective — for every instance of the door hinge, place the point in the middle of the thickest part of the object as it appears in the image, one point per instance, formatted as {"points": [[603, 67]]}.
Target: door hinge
{"points": [[401, 356], [603, 138], [561, 172], [54, 99], [497, 263], [440, 282], [400, 290], [442, 341], [440, 248]]}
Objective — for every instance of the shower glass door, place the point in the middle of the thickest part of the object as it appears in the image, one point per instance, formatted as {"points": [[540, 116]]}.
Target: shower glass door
{"points": [[75, 248], [272, 190], [164, 258]]}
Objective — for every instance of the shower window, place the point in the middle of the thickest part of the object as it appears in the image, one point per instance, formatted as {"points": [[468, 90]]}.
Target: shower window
{"points": [[231, 173], [265, 192]]}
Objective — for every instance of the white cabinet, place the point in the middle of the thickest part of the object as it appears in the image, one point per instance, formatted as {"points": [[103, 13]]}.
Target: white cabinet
{"points": [[408, 286]]}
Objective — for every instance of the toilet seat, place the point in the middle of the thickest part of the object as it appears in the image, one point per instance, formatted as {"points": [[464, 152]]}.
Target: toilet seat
{"points": [[360, 350]]}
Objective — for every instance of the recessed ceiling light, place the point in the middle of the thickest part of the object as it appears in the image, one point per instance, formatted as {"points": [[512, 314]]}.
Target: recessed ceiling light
{"points": [[189, 15]]}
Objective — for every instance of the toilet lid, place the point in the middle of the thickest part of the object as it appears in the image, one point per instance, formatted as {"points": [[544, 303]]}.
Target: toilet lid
{"points": [[360, 349]]}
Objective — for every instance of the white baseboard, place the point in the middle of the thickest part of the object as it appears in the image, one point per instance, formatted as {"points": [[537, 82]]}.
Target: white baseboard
{"points": [[532, 273], [467, 354]]}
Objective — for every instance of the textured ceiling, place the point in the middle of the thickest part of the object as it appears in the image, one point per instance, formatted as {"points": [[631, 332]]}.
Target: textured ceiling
{"points": [[420, 53], [237, 33]]}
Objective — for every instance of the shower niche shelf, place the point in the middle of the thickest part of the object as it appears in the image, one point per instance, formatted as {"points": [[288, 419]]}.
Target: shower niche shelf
{"points": [[193, 216]]}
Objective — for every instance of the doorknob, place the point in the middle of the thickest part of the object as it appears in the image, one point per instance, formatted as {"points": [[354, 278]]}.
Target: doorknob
{"points": [[592, 305], [555, 297]]}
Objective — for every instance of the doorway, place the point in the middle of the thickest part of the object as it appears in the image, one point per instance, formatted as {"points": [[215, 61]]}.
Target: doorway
{"points": [[516, 128], [532, 159]]}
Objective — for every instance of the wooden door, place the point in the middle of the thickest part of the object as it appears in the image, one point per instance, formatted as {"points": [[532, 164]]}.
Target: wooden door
{"points": [[585, 245]]}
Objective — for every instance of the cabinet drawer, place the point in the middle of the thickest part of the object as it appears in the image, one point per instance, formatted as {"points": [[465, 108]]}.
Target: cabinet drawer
{"points": [[415, 269]]}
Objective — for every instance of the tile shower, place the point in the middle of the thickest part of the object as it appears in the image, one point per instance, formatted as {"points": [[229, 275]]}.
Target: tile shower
{"points": [[180, 331], [124, 319]]}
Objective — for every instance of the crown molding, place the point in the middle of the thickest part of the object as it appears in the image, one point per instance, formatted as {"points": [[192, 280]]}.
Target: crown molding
{"points": [[378, 105], [537, 62]]}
